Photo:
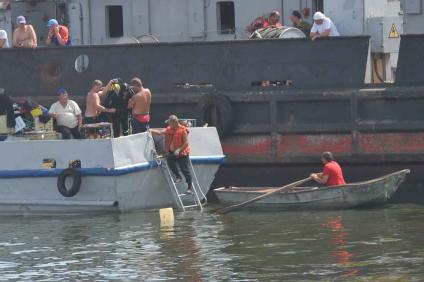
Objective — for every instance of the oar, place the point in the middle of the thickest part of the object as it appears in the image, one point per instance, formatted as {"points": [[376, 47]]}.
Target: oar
{"points": [[281, 189]]}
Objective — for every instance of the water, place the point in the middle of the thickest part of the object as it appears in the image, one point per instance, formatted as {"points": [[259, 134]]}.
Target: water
{"points": [[355, 245]]}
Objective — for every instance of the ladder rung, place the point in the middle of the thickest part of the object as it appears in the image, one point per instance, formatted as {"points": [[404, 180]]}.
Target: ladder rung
{"points": [[177, 196], [191, 206]]}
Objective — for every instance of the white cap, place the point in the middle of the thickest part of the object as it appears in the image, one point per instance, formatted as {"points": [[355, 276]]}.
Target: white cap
{"points": [[319, 16]]}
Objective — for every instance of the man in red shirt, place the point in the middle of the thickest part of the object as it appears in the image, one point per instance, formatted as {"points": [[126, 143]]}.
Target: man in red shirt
{"points": [[332, 174], [273, 21]]}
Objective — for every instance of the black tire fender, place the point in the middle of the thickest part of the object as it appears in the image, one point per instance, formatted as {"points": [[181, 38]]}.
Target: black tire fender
{"points": [[216, 110], [69, 172]]}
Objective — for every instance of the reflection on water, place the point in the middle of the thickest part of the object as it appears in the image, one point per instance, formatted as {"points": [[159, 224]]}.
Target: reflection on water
{"points": [[339, 237], [357, 245]]}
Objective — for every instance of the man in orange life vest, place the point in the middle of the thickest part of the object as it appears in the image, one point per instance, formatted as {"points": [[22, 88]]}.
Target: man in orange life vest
{"points": [[177, 149], [332, 174]]}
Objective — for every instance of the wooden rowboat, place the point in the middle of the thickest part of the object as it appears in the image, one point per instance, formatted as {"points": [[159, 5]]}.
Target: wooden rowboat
{"points": [[368, 193]]}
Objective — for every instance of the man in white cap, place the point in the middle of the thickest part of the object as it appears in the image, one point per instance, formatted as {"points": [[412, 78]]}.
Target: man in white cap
{"points": [[24, 35], [323, 27]]}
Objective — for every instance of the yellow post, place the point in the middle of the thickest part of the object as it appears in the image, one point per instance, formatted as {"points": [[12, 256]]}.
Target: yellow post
{"points": [[166, 217]]}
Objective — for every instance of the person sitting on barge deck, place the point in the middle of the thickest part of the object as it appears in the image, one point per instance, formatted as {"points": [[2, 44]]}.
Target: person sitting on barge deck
{"points": [[67, 114], [92, 105], [323, 27], [177, 149], [58, 34], [332, 174], [140, 106]]}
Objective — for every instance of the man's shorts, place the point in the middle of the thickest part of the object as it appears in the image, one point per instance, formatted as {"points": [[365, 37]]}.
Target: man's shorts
{"points": [[91, 120], [139, 127]]}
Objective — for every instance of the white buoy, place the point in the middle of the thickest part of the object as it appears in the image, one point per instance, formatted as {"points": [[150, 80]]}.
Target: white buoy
{"points": [[166, 217]]}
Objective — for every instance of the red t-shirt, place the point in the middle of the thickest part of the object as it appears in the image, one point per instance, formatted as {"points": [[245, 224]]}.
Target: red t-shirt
{"points": [[335, 174], [267, 24]]}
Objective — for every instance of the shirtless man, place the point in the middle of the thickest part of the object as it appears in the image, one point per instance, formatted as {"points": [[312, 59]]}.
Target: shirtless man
{"points": [[140, 106], [24, 35], [92, 104]]}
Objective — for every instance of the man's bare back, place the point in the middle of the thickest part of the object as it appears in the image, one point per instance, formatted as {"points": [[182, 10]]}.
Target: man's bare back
{"points": [[140, 102], [92, 101]]}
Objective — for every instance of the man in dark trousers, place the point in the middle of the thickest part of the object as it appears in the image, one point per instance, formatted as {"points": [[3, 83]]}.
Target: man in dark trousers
{"points": [[177, 149]]}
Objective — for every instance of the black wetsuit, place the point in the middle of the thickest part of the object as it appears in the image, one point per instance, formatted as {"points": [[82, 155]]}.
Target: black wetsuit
{"points": [[119, 119], [123, 112], [109, 101]]}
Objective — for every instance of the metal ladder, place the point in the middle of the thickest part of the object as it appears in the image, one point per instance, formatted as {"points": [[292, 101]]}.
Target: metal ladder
{"points": [[196, 188]]}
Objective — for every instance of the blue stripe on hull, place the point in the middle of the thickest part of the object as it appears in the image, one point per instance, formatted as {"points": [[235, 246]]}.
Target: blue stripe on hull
{"points": [[100, 171]]}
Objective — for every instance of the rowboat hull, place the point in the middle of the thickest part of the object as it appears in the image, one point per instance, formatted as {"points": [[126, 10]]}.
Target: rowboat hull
{"points": [[369, 193]]}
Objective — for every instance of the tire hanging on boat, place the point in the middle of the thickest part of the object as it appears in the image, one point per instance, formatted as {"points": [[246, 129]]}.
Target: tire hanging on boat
{"points": [[215, 110], [76, 185]]}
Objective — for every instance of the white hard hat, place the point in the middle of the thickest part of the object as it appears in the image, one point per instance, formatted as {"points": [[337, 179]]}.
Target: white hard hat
{"points": [[319, 16]]}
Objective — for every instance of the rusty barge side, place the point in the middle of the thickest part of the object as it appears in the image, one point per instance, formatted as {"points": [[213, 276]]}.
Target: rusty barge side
{"points": [[272, 134]]}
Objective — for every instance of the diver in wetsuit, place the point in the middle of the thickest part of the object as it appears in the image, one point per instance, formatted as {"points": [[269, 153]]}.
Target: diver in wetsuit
{"points": [[111, 101], [117, 97], [123, 113]]}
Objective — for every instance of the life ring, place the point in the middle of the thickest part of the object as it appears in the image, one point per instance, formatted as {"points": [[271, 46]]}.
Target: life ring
{"points": [[76, 185], [215, 110]]}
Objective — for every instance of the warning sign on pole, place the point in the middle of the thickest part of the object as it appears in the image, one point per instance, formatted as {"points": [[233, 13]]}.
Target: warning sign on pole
{"points": [[393, 32]]}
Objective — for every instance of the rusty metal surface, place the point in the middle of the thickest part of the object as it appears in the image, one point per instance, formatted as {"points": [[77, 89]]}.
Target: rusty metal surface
{"points": [[370, 148], [385, 125]]}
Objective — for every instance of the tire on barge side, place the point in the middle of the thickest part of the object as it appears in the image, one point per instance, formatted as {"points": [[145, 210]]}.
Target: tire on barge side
{"points": [[216, 110], [76, 184]]}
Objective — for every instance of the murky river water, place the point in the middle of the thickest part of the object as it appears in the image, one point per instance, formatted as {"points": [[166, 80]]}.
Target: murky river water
{"points": [[357, 245]]}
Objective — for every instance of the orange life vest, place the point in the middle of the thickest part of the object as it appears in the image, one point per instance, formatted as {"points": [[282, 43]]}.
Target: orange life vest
{"points": [[176, 136]]}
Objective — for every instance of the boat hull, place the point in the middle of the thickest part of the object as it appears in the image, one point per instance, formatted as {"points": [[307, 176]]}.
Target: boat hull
{"points": [[370, 193], [140, 190], [117, 175]]}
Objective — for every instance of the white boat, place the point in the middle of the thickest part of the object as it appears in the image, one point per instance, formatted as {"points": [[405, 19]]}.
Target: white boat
{"points": [[119, 174]]}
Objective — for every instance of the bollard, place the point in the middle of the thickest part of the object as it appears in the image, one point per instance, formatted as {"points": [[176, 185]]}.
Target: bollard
{"points": [[166, 217]]}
